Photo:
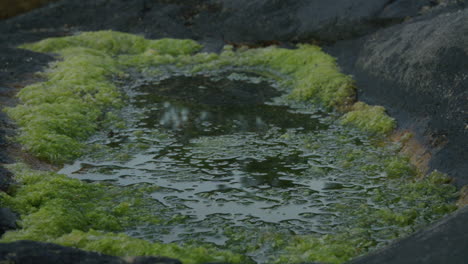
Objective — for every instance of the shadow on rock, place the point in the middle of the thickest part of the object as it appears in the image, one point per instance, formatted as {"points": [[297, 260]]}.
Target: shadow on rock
{"points": [[36, 252]]}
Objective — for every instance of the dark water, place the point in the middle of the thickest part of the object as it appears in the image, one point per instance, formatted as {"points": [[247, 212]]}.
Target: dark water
{"points": [[198, 106], [224, 157]]}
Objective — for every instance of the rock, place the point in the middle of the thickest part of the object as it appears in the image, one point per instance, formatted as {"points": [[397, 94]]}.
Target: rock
{"points": [[418, 71], [444, 242], [292, 20], [5, 179], [36, 252], [7, 220], [17, 63], [17, 68], [47, 253], [240, 21], [154, 260]]}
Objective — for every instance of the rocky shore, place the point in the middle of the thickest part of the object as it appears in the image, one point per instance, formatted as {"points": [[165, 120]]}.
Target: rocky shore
{"points": [[410, 56]]}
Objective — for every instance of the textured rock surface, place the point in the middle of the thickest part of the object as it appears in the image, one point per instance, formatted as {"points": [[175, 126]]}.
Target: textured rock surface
{"points": [[293, 20], [419, 72], [249, 21]]}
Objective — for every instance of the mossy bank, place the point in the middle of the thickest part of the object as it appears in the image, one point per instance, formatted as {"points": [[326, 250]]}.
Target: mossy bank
{"points": [[55, 116], [79, 97]]}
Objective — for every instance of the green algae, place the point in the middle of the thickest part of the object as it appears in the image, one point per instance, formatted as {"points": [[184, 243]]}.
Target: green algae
{"points": [[410, 208], [123, 245], [58, 209], [369, 118], [314, 75], [52, 204], [115, 43]]}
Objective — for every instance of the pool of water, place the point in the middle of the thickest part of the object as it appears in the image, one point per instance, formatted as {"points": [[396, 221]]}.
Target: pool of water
{"points": [[229, 156]]}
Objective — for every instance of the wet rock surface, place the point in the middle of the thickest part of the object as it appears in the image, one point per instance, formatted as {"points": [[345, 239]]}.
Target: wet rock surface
{"points": [[243, 21], [407, 55], [34, 252], [17, 68], [418, 71], [7, 220]]}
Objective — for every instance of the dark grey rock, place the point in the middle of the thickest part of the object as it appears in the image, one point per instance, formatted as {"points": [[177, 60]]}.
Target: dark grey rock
{"points": [[7, 220], [406, 8], [16, 63], [16, 66], [5, 179], [25, 252], [293, 20], [418, 71], [245, 21], [155, 260]]}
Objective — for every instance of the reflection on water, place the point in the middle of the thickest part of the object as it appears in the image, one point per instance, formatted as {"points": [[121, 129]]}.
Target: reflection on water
{"points": [[224, 158], [198, 106]]}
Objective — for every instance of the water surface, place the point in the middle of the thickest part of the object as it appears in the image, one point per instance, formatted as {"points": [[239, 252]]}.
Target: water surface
{"points": [[225, 155]]}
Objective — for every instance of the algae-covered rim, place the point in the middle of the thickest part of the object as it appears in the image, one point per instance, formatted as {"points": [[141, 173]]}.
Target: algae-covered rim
{"points": [[76, 100]]}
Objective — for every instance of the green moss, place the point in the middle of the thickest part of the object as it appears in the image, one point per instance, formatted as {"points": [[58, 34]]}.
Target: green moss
{"points": [[52, 204], [369, 118], [438, 177], [123, 245], [315, 75], [409, 206], [115, 43], [398, 167], [57, 209], [326, 249], [311, 74]]}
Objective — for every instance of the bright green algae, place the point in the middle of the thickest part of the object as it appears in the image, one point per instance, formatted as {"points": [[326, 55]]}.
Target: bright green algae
{"points": [[369, 118], [57, 209], [57, 115]]}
